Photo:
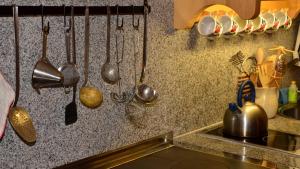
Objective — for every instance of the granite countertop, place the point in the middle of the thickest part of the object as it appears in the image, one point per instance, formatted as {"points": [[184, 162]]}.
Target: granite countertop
{"points": [[198, 140], [283, 124]]}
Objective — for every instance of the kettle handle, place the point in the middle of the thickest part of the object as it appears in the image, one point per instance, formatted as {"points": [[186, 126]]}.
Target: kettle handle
{"points": [[250, 97]]}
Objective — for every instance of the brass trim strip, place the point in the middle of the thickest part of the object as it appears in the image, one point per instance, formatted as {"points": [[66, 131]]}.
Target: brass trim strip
{"points": [[123, 155]]}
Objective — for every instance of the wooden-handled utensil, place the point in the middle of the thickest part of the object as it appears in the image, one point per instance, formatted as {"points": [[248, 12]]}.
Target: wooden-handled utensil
{"points": [[265, 73], [260, 56]]}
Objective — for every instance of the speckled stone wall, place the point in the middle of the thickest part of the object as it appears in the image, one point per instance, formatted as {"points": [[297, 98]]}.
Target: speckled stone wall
{"points": [[194, 79]]}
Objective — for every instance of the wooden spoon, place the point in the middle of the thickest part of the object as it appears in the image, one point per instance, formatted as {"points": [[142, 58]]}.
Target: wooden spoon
{"points": [[260, 56], [265, 73]]}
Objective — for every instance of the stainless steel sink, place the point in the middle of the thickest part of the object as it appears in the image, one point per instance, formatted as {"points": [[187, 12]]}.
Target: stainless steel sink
{"points": [[160, 153], [179, 158], [290, 111]]}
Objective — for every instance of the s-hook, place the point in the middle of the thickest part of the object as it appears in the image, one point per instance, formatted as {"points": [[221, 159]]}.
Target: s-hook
{"points": [[46, 29], [119, 27], [42, 8], [135, 26], [65, 16], [67, 26], [65, 22]]}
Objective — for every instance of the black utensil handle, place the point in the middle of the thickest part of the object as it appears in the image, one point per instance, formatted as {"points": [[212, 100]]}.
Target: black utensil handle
{"points": [[145, 42], [16, 27], [71, 110]]}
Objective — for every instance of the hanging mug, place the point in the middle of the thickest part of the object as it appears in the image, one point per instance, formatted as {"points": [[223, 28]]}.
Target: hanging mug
{"points": [[284, 20], [288, 23], [244, 26], [229, 25], [259, 25], [208, 26], [272, 23]]}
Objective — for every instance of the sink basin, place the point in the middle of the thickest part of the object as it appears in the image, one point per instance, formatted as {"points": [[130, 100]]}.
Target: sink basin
{"points": [[160, 153], [179, 158], [176, 158], [290, 111]]}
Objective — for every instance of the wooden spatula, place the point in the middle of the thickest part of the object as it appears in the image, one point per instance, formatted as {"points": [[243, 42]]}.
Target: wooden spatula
{"points": [[260, 56], [265, 73]]}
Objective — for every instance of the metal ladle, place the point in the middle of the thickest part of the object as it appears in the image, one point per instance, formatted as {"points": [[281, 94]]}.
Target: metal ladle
{"points": [[89, 96], [109, 72], [135, 40], [18, 117], [145, 93], [134, 111]]}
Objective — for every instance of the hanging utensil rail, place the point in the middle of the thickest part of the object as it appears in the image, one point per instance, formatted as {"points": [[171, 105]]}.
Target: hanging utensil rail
{"points": [[6, 11]]}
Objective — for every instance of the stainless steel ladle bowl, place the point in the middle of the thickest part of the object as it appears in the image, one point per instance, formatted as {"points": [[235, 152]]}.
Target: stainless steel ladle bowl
{"points": [[145, 93], [109, 72]]}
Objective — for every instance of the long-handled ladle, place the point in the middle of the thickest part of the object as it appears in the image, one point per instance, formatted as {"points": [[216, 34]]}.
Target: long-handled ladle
{"points": [[109, 72], [18, 117], [89, 95], [145, 93]]}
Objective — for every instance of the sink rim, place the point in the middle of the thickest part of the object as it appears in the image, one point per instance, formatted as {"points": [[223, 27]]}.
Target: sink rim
{"points": [[284, 108]]}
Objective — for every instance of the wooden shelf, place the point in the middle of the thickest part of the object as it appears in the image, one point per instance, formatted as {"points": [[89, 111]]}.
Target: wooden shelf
{"points": [[187, 12]]}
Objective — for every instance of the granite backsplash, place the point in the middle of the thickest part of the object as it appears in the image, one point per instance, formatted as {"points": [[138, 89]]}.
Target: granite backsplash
{"points": [[194, 79]]}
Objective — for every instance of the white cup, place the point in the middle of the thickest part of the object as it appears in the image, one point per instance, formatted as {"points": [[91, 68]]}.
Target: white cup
{"points": [[259, 25], [272, 23], [284, 20], [208, 26], [229, 25], [288, 23], [244, 26]]}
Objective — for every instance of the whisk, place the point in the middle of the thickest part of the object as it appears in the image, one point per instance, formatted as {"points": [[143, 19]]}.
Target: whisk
{"points": [[119, 97], [237, 60], [280, 64]]}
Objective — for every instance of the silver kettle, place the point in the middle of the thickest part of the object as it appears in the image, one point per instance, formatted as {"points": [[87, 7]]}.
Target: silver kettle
{"points": [[247, 120]]}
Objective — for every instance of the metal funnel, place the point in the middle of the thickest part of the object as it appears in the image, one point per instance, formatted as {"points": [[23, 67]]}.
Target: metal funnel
{"points": [[45, 75]]}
